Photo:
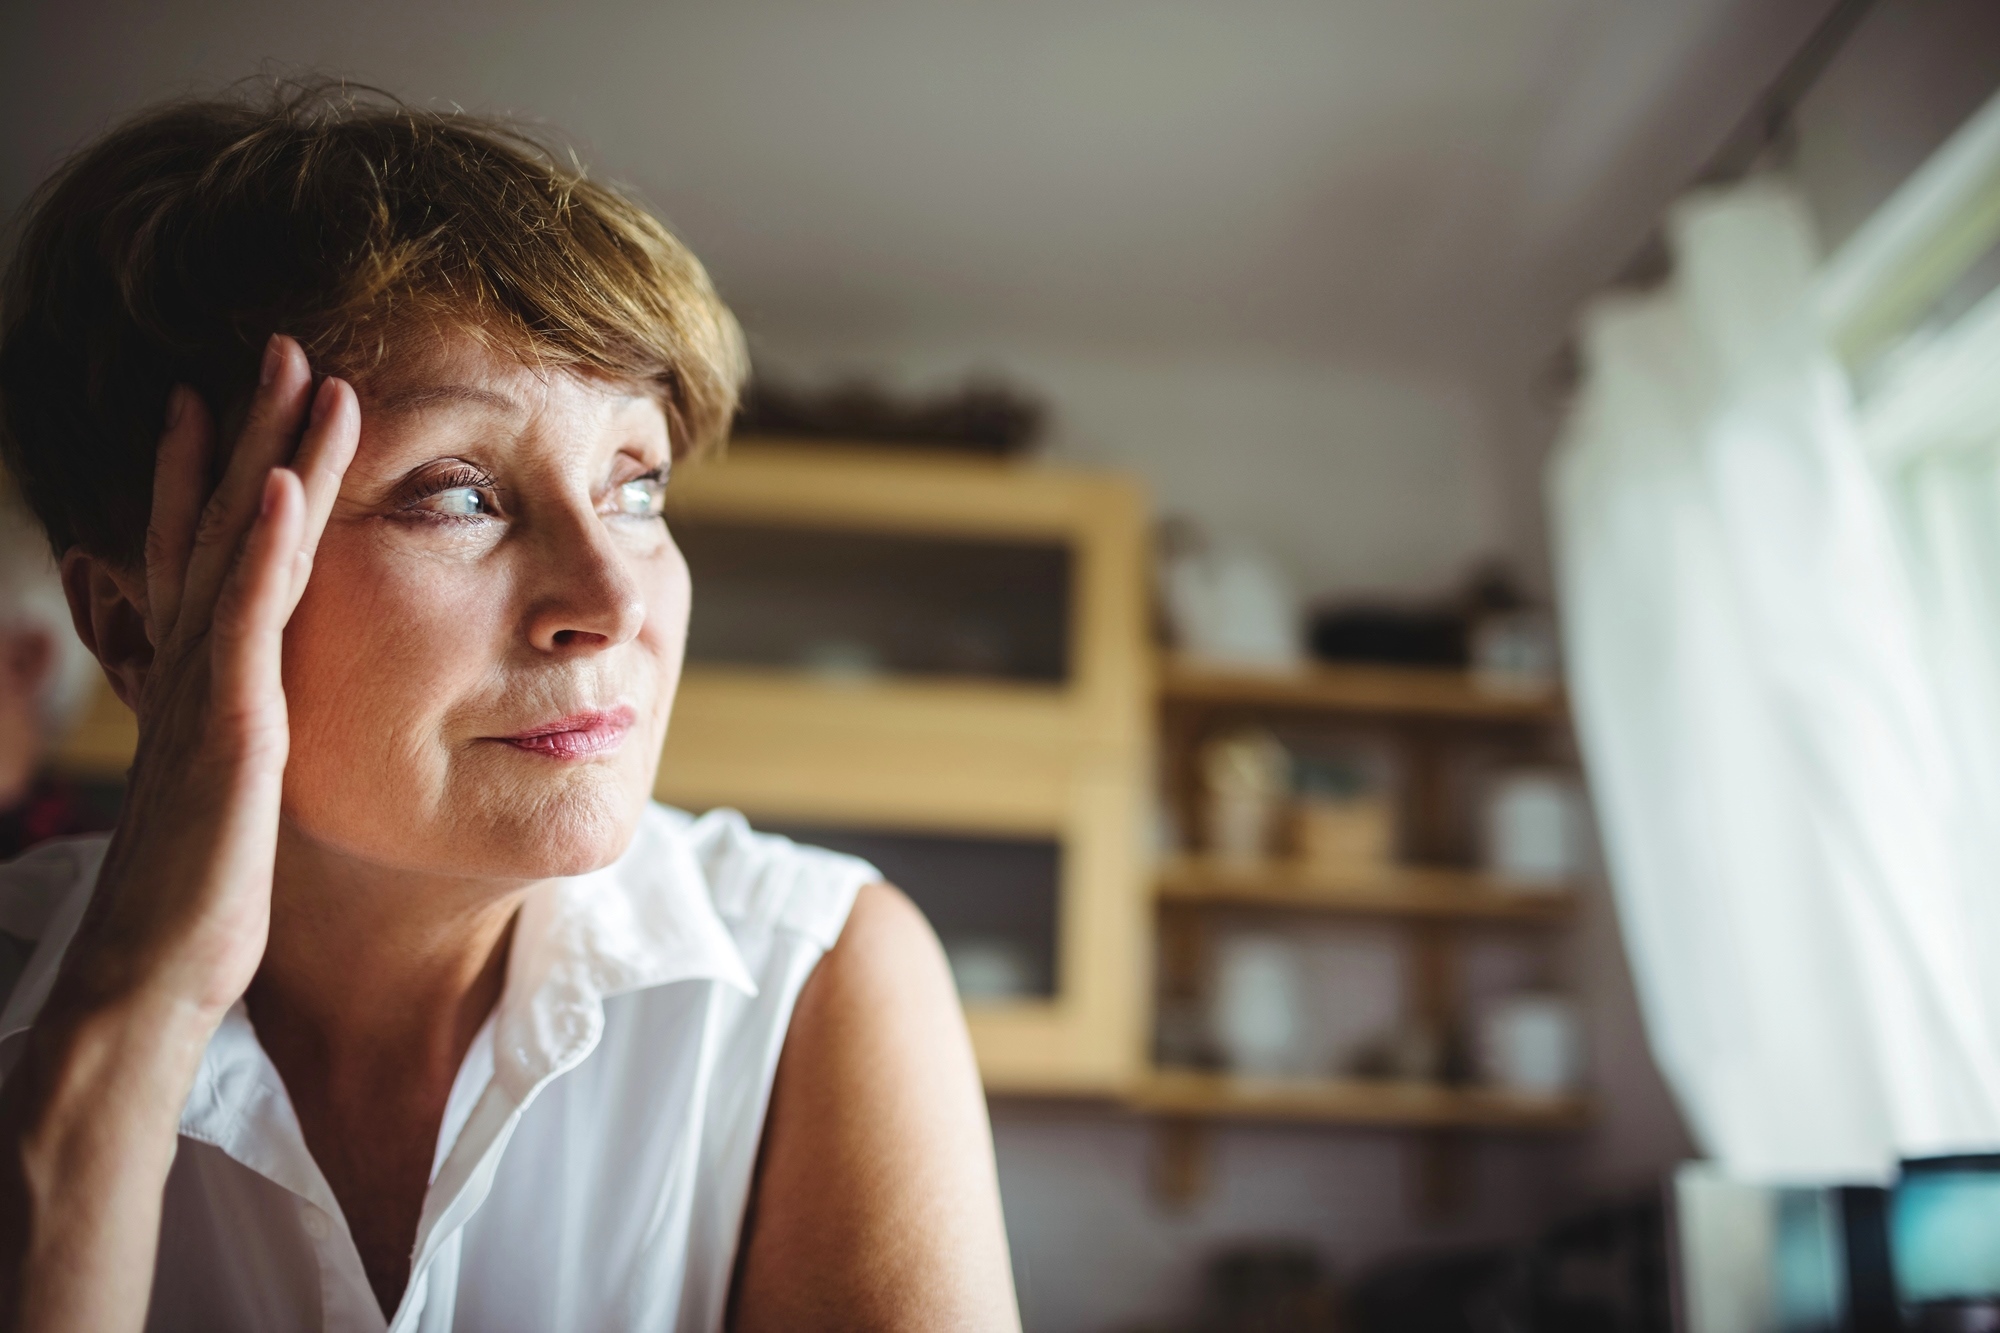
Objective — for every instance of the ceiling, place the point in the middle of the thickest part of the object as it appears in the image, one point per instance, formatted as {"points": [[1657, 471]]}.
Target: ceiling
{"points": [[1420, 181]]}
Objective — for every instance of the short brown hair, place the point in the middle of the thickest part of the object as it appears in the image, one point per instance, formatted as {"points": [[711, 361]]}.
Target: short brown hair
{"points": [[170, 250]]}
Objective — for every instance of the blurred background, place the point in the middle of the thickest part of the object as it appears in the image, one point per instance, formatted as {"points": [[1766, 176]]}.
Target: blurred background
{"points": [[1198, 511]]}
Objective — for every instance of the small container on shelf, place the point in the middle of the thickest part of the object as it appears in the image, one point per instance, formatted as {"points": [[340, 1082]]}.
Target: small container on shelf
{"points": [[1514, 653], [1255, 1018], [1246, 775], [1534, 836], [1341, 820], [1531, 1043], [1412, 1051]]}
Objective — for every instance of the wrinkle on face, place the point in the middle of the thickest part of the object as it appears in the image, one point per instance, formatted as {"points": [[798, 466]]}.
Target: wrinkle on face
{"points": [[415, 645]]}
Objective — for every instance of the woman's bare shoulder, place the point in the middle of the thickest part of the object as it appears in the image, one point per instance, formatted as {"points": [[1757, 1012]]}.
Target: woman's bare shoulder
{"points": [[876, 1203]]}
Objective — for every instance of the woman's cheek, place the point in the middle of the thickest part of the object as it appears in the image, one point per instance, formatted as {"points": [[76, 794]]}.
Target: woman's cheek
{"points": [[375, 655], [669, 596]]}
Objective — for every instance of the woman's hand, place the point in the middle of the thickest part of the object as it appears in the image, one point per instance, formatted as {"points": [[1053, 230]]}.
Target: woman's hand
{"points": [[183, 904], [181, 912]]}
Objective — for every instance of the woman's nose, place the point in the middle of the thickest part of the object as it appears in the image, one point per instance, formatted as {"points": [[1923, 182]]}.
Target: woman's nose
{"points": [[587, 598]]}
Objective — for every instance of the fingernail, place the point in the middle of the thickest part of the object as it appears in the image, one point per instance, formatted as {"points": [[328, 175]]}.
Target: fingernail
{"points": [[176, 404], [269, 370], [322, 400]]}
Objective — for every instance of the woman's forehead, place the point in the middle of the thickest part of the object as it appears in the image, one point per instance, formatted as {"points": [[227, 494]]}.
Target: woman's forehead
{"points": [[471, 403], [461, 371]]}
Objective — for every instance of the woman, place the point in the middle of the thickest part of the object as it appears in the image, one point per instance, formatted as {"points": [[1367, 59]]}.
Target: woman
{"points": [[395, 1003]]}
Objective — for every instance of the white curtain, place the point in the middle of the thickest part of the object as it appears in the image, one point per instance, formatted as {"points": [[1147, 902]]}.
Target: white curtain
{"points": [[1785, 768]]}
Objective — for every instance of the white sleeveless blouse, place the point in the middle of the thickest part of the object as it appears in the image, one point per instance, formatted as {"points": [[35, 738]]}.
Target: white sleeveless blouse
{"points": [[596, 1153]]}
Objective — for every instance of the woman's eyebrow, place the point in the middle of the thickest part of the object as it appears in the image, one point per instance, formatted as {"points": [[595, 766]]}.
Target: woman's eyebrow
{"points": [[419, 397]]}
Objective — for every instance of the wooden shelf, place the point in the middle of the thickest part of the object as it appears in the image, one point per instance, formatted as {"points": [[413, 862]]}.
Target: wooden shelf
{"points": [[1192, 1094], [1378, 690], [1402, 891]]}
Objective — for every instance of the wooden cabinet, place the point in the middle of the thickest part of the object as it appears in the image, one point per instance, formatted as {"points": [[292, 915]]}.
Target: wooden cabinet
{"points": [[880, 739]]}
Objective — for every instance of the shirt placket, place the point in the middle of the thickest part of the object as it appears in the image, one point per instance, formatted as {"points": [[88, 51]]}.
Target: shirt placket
{"points": [[346, 1300]]}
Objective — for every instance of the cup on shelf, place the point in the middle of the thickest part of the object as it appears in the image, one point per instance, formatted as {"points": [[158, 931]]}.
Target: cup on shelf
{"points": [[1240, 826], [1245, 776], [1227, 605], [1255, 1004], [1514, 653], [1534, 828], [1532, 1043]]}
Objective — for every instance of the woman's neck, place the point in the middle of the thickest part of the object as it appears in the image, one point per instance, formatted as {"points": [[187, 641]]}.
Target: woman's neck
{"points": [[372, 988], [371, 964]]}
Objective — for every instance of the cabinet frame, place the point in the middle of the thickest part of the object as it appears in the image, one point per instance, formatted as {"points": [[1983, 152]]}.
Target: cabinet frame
{"points": [[1070, 762]]}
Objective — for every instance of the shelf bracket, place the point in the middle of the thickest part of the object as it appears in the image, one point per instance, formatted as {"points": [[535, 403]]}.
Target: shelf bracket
{"points": [[1442, 1175], [1180, 1163]]}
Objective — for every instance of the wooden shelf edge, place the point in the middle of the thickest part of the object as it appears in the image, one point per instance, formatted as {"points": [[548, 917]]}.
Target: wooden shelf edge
{"points": [[1193, 1094], [1398, 890], [897, 687], [1383, 690]]}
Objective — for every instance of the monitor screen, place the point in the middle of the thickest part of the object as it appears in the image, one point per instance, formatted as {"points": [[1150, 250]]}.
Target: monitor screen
{"points": [[1945, 1229]]}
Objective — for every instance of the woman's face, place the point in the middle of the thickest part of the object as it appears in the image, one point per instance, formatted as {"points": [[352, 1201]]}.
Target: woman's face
{"points": [[480, 671]]}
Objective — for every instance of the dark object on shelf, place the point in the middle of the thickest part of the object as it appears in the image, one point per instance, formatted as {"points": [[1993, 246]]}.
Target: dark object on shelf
{"points": [[1391, 635], [1273, 1288], [1604, 1271], [1425, 1052], [980, 418], [1437, 1293], [1437, 634]]}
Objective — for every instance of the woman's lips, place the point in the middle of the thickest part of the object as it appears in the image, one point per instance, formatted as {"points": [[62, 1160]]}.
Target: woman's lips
{"points": [[577, 736]]}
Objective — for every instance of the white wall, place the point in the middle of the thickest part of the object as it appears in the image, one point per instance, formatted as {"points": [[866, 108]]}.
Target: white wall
{"points": [[1355, 477]]}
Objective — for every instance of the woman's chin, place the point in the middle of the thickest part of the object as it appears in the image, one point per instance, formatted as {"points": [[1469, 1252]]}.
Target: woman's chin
{"points": [[581, 827], [502, 830]]}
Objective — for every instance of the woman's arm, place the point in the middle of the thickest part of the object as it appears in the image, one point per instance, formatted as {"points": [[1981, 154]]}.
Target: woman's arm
{"points": [[876, 1205], [181, 910]]}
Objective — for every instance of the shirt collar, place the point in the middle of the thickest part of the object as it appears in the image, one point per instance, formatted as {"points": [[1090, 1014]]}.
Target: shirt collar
{"points": [[647, 920]]}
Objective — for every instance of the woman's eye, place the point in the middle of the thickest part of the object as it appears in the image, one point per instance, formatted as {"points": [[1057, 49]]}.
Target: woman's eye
{"points": [[460, 502], [641, 497]]}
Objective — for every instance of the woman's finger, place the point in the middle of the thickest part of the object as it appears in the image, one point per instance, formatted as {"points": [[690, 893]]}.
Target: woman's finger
{"points": [[332, 432], [270, 432], [248, 629], [180, 483]]}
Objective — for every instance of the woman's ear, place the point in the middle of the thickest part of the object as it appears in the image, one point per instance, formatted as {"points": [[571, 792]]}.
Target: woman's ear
{"points": [[108, 608]]}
